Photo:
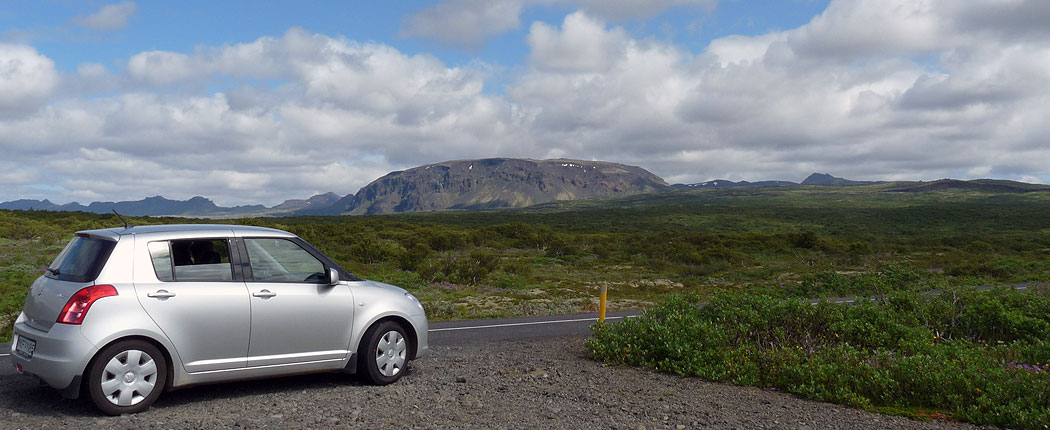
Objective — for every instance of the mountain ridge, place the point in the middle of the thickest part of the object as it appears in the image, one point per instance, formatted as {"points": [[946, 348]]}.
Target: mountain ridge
{"points": [[492, 183], [828, 180], [722, 183], [489, 183]]}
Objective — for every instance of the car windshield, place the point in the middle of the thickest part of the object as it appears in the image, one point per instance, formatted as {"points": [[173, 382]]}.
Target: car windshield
{"points": [[81, 260]]}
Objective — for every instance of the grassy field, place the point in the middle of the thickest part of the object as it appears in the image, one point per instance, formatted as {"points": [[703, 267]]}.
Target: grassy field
{"points": [[782, 242]]}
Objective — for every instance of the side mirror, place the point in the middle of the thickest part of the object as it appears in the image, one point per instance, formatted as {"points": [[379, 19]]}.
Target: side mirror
{"points": [[333, 276]]}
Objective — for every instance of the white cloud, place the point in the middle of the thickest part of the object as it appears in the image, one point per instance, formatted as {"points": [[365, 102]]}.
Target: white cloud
{"points": [[109, 17], [26, 79], [849, 30], [962, 96], [867, 89], [350, 111], [160, 67], [742, 49], [582, 45]]}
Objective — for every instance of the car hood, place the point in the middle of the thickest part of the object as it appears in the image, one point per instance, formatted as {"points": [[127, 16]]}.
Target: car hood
{"points": [[364, 283]]}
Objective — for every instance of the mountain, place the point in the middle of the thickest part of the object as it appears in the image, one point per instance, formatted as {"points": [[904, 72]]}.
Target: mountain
{"points": [[814, 179], [826, 179], [486, 184], [495, 183], [150, 206], [722, 183], [459, 184], [156, 205], [317, 201], [341, 206], [27, 204]]}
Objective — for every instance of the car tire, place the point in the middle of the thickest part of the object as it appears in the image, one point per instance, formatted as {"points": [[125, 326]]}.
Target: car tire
{"points": [[383, 354], [127, 377]]}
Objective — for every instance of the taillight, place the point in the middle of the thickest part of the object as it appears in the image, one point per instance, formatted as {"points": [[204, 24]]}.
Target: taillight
{"points": [[78, 305]]}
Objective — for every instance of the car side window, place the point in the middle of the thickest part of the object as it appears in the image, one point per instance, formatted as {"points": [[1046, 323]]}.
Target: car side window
{"points": [[281, 260], [206, 260]]}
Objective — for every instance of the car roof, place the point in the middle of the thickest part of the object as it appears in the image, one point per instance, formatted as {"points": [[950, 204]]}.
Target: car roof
{"points": [[240, 230]]}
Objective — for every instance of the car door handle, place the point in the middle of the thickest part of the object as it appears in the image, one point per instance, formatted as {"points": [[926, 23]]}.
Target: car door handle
{"points": [[264, 294], [161, 294]]}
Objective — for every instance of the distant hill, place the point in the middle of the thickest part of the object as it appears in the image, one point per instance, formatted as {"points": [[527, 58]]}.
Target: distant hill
{"points": [[722, 183], [982, 185], [487, 184], [814, 179], [460, 184], [27, 204], [317, 201], [826, 179], [494, 183], [150, 206]]}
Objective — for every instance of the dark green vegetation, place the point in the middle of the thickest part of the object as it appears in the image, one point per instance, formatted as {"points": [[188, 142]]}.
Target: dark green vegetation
{"points": [[982, 357], [553, 258]]}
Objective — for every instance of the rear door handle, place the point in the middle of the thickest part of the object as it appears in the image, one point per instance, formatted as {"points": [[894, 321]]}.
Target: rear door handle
{"points": [[161, 294], [264, 294]]}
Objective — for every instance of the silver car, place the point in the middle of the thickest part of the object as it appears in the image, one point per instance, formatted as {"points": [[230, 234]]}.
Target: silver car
{"points": [[124, 314]]}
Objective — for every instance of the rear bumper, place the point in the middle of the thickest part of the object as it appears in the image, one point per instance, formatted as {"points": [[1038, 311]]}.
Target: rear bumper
{"points": [[62, 353]]}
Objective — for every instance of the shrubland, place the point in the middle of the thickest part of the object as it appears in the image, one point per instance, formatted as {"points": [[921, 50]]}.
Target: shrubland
{"points": [[978, 356], [782, 242], [750, 255]]}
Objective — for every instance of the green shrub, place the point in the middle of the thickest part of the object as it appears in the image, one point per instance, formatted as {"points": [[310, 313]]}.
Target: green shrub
{"points": [[369, 249], [981, 356], [807, 239], [413, 256]]}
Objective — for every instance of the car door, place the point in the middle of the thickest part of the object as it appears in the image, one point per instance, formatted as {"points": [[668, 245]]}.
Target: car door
{"points": [[297, 317], [197, 300]]}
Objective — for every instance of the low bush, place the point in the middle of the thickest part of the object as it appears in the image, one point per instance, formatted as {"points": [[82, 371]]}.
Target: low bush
{"points": [[979, 356]]}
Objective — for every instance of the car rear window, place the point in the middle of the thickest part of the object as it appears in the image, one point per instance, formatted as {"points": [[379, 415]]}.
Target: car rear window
{"points": [[81, 260]]}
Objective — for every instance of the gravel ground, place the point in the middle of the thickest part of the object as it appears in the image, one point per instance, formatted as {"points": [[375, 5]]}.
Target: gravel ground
{"points": [[525, 385]]}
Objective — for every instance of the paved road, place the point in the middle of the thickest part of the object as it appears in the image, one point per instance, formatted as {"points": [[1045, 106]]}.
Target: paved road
{"points": [[475, 331], [517, 329]]}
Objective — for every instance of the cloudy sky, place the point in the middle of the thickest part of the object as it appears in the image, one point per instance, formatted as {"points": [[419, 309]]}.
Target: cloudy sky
{"points": [[260, 101]]}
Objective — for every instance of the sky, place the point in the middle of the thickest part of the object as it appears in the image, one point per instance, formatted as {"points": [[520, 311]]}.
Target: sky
{"points": [[255, 102]]}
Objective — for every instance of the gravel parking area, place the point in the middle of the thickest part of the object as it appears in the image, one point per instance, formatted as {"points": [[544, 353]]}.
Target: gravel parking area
{"points": [[523, 385]]}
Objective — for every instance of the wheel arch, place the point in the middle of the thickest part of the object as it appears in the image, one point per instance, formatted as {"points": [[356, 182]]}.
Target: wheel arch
{"points": [[169, 372]]}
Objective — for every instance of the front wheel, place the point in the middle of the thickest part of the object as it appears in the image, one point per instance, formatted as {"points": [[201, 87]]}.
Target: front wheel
{"points": [[127, 377], [383, 354]]}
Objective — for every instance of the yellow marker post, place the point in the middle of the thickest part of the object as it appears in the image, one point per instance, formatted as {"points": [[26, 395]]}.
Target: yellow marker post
{"points": [[601, 305]]}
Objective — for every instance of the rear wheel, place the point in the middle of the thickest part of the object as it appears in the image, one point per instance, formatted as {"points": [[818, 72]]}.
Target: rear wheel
{"points": [[127, 377], [383, 354]]}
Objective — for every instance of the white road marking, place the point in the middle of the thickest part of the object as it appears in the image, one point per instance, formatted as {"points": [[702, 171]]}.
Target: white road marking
{"points": [[519, 324], [4, 355]]}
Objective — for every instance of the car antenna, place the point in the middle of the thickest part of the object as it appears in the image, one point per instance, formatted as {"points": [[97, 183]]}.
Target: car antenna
{"points": [[126, 225]]}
